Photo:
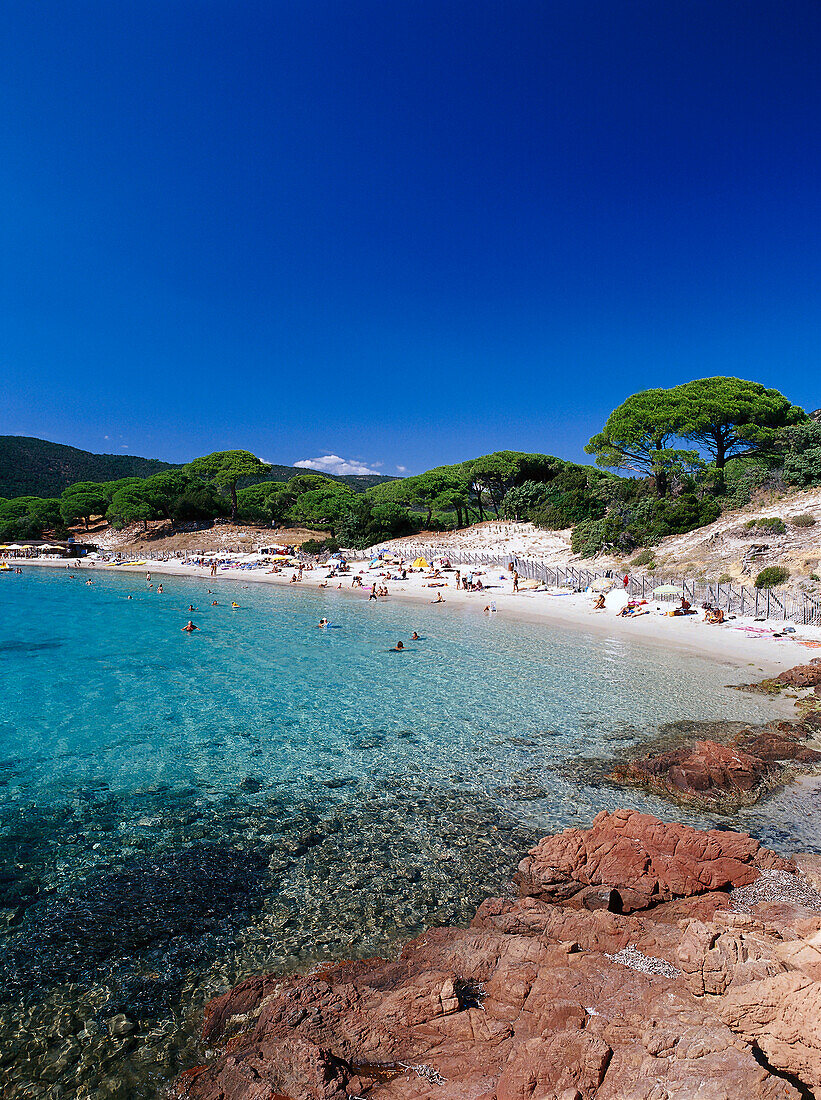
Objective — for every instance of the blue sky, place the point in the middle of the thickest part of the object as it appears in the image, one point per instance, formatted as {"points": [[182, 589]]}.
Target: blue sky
{"points": [[399, 233]]}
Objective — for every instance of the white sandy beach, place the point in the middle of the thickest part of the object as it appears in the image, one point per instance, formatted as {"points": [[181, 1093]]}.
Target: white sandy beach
{"points": [[730, 643]]}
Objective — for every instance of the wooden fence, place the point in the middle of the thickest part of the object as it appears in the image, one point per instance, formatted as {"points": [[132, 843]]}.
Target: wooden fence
{"points": [[782, 604]]}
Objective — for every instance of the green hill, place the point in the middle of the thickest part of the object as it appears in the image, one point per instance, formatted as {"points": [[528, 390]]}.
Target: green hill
{"points": [[36, 467]]}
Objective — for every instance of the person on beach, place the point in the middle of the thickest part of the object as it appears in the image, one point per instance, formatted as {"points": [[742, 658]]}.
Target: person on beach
{"points": [[515, 581], [374, 593], [598, 603], [189, 627], [439, 598]]}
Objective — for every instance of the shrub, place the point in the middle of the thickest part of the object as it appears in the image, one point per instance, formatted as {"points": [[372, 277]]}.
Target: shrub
{"points": [[593, 535], [802, 453], [646, 557], [814, 577], [774, 524], [725, 578], [804, 520], [750, 524], [317, 546], [772, 577]]}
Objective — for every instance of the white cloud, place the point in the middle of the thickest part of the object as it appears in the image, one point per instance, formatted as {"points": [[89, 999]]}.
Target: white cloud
{"points": [[402, 469], [333, 464]]}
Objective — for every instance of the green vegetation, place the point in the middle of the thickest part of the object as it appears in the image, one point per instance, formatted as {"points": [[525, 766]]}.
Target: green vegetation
{"points": [[724, 578], [320, 546], [772, 577], [646, 557], [800, 447], [35, 467], [693, 452], [804, 520], [773, 524], [225, 469]]}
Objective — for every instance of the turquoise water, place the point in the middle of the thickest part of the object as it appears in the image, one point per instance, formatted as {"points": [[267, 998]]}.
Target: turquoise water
{"points": [[180, 810]]}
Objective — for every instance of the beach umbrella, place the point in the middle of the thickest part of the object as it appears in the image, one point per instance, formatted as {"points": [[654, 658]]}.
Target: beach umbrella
{"points": [[616, 600], [420, 563], [601, 584], [667, 592]]}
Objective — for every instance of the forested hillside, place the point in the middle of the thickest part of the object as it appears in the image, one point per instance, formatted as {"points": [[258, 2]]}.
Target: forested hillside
{"points": [[38, 468], [690, 453]]}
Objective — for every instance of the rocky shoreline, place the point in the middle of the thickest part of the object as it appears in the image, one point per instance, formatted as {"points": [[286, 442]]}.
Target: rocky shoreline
{"points": [[639, 961], [722, 778]]}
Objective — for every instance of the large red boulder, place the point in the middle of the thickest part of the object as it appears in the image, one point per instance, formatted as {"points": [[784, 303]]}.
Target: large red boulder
{"points": [[642, 861], [801, 676]]}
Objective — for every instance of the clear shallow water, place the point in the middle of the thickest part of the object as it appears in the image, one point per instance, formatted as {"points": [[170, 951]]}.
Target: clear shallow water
{"points": [[178, 811]]}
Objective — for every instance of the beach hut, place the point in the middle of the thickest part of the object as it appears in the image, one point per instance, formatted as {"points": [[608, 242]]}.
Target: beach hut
{"points": [[420, 563]]}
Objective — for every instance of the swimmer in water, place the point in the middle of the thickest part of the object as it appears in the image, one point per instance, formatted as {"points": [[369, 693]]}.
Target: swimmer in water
{"points": [[192, 608], [398, 648], [129, 597], [189, 627], [214, 603], [322, 622], [159, 588], [89, 581], [414, 637], [234, 606]]}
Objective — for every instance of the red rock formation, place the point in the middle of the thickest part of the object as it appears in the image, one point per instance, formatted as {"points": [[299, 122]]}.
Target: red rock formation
{"points": [[801, 676], [639, 861], [538, 1000], [724, 777]]}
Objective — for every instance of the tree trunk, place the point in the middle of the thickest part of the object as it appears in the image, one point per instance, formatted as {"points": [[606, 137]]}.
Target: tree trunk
{"points": [[233, 488]]}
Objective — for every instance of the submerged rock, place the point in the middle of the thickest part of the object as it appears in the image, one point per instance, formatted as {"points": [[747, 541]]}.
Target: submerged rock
{"points": [[721, 777], [541, 999]]}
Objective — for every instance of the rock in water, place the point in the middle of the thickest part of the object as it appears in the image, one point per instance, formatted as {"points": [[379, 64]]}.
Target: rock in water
{"points": [[545, 998], [724, 777]]}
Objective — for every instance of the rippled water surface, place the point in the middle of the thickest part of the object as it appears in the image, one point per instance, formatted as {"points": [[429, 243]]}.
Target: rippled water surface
{"points": [[179, 811]]}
